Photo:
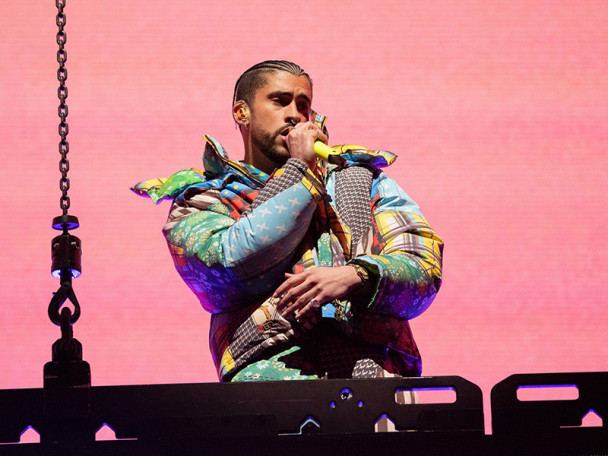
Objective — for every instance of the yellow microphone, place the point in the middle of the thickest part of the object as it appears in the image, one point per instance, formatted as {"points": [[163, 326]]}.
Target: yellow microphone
{"points": [[322, 150], [327, 154]]}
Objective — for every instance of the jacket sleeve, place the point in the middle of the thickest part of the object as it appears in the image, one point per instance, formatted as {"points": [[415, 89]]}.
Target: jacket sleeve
{"points": [[404, 257], [228, 262]]}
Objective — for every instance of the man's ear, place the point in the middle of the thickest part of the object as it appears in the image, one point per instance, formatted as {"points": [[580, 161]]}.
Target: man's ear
{"points": [[240, 113]]}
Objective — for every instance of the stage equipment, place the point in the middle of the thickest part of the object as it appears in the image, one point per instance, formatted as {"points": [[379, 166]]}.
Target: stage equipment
{"points": [[67, 378], [322, 417]]}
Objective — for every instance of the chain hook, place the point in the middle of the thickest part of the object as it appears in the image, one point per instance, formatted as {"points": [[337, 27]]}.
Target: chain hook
{"points": [[64, 293], [65, 248]]}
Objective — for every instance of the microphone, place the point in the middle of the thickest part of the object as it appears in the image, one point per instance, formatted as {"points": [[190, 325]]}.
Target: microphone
{"points": [[327, 154], [322, 150]]}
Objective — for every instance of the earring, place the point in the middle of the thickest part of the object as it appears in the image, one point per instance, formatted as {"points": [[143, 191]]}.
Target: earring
{"points": [[242, 114]]}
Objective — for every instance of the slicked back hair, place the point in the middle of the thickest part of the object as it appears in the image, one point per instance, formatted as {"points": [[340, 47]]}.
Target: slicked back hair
{"points": [[255, 77]]}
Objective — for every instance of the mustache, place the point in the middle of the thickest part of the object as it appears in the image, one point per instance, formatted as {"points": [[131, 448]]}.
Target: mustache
{"points": [[284, 127], [280, 130]]}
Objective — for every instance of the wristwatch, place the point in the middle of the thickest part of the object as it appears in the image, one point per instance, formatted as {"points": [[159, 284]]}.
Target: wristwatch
{"points": [[362, 273]]}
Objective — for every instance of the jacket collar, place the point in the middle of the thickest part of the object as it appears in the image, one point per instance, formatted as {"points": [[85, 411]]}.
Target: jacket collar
{"points": [[217, 165]]}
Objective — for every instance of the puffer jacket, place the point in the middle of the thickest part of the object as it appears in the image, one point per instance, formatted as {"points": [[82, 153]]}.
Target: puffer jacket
{"points": [[234, 231]]}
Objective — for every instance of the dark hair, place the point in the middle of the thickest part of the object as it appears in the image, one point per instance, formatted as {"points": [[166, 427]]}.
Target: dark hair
{"points": [[255, 77]]}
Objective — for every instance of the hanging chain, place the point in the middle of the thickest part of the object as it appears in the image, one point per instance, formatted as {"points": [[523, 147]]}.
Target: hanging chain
{"points": [[62, 94]]}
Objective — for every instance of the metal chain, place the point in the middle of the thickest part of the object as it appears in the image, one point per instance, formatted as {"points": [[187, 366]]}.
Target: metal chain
{"points": [[62, 94]]}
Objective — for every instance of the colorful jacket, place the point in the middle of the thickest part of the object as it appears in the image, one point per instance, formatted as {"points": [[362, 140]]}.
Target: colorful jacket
{"points": [[233, 236]]}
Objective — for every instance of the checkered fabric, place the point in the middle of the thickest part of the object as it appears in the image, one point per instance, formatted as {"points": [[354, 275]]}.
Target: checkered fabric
{"points": [[353, 188], [290, 175]]}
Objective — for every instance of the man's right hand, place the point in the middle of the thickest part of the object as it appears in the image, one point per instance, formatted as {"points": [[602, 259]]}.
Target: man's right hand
{"points": [[300, 142]]}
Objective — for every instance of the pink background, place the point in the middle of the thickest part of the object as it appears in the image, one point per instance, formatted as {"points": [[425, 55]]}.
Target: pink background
{"points": [[498, 111]]}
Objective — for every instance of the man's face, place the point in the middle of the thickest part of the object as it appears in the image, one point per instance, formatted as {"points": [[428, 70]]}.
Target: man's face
{"points": [[278, 105]]}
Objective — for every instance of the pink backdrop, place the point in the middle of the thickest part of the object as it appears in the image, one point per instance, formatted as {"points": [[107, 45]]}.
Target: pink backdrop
{"points": [[498, 111]]}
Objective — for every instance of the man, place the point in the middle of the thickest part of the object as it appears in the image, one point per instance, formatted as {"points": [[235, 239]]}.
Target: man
{"points": [[309, 270]]}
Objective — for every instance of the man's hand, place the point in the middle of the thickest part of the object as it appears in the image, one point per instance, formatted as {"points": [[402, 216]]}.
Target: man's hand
{"points": [[300, 142], [302, 293]]}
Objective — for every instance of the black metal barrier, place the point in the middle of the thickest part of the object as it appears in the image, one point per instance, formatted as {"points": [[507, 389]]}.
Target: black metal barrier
{"points": [[312, 417], [513, 416]]}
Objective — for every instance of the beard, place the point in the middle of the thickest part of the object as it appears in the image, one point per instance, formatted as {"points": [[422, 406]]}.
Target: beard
{"points": [[267, 144]]}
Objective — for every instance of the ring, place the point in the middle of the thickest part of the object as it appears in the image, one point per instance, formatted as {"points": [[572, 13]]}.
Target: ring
{"points": [[314, 303]]}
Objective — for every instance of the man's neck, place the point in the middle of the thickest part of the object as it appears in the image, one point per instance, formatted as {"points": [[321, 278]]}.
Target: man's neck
{"points": [[260, 161]]}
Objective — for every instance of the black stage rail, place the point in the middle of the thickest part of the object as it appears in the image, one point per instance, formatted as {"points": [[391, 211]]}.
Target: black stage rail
{"points": [[309, 417]]}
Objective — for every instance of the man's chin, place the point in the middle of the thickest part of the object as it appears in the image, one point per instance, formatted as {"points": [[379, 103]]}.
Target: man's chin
{"points": [[278, 155]]}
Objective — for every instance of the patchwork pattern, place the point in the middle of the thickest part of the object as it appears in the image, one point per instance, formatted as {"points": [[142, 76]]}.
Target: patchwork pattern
{"points": [[234, 231]]}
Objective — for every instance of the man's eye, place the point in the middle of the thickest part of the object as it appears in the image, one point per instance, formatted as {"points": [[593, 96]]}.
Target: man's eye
{"points": [[282, 101]]}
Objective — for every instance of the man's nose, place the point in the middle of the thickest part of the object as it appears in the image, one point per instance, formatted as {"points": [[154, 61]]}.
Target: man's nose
{"points": [[294, 116]]}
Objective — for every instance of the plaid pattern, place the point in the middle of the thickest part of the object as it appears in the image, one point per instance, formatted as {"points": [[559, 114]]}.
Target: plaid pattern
{"points": [[233, 232], [398, 233]]}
